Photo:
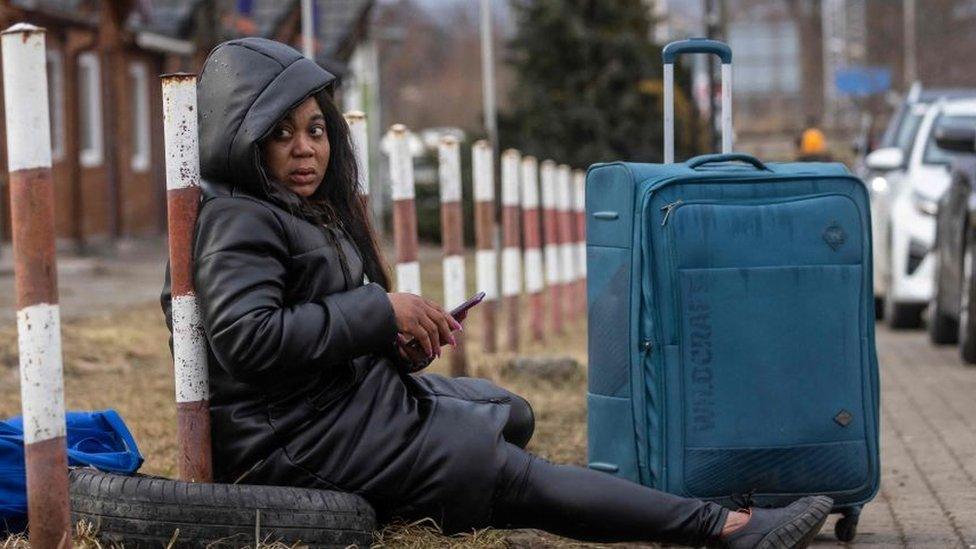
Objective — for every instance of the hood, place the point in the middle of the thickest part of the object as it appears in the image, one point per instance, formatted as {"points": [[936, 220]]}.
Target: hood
{"points": [[245, 87]]}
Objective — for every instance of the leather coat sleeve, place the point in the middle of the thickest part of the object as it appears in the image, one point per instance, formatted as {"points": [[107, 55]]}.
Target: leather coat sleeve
{"points": [[241, 257]]}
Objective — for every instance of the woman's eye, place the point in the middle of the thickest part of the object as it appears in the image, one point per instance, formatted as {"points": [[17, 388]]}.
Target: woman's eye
{"points": [[282, 133], [317, 131]]}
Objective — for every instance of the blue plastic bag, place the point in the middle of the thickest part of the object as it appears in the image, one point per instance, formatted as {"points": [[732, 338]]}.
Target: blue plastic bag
{"points": [[99, 439]]}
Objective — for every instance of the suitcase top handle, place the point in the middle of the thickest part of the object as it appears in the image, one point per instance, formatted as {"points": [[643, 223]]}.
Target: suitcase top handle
{"points": [[698, 161], [671, 52], [696, 45]]}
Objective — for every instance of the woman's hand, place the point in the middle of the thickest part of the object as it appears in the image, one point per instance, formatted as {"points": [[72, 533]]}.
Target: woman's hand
{"points": [[425, 320]]}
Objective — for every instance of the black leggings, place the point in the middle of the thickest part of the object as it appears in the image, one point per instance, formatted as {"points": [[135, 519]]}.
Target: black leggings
{"points": [[588, 505]]}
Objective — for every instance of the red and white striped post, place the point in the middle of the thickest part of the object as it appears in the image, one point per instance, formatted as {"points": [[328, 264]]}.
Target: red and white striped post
{"points": [[567, 247], [511, 245], [404, 211], [452, 237], [38, 315], [531, 227], [579, 204], [189, 340], [550, 223], [360, 148], [484, 219]]}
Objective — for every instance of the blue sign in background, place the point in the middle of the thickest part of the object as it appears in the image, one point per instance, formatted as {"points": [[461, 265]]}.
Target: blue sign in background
{"points": [[860, 81]]}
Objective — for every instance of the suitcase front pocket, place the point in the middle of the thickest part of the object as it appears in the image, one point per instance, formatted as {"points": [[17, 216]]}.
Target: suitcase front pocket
{"points": [[767, 387], [773, 392]]}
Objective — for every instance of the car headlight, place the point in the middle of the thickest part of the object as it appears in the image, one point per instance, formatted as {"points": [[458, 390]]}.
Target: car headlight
{"points": [[925, 205], [879, 185]]}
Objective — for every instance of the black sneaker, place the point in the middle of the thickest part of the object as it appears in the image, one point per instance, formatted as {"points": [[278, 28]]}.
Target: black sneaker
{"points": [[790, 527]]}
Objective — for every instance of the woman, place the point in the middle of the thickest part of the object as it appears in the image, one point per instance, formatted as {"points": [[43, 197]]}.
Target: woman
{"points": [[304, 378]]}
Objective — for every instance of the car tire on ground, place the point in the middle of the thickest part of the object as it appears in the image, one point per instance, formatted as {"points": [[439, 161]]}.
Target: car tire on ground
{"points": [[144, 511], [902, 316], [967, 305], [943, 329]]}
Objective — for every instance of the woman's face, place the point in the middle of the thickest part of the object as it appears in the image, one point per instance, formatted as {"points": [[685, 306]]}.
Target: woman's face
{"points": [[296, 152]]}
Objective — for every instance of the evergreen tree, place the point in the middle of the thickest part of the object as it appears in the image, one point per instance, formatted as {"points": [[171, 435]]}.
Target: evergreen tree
{"points": [[588, 84]]}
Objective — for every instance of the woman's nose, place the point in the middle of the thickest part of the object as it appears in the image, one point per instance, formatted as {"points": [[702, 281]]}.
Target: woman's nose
{"points": [[303, 146]]}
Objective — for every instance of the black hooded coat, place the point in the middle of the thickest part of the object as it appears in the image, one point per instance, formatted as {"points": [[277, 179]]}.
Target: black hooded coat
{"points": [[303, 385]]}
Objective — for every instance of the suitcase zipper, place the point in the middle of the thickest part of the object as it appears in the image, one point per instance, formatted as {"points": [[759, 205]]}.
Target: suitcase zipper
{"points": [[668, 209]]}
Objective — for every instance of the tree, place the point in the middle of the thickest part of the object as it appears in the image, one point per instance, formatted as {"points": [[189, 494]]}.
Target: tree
{"points": [[809, 21], [587, 84]]}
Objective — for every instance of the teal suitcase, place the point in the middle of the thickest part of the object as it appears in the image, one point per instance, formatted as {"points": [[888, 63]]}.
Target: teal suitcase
{"points": [[731, 325]]}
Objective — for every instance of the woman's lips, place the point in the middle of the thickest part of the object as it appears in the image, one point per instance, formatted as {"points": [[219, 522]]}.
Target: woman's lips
{"points": [[302, 177]]}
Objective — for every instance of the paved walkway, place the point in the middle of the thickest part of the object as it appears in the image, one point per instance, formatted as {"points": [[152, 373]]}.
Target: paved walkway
{"points": [[98, 283]]}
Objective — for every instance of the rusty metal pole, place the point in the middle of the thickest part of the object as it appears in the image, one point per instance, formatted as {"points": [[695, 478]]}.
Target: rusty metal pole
{"points": [[189, 341], [38, 316], [531, 226], [452, 237], [404, 211], [551, 231], [360, 144], [567, 247], [511, 245], [485, 258], [579, 206]]}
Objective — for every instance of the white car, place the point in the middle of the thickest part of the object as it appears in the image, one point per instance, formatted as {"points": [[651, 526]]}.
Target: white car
{"points": [[904, 203], [884, 172]]}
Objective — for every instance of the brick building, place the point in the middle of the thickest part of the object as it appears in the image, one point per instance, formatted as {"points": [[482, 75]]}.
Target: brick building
{"points": [[104, 58]]}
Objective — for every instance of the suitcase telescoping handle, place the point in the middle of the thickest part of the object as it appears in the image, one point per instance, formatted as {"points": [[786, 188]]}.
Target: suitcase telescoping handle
{"points": [[670, 55]]}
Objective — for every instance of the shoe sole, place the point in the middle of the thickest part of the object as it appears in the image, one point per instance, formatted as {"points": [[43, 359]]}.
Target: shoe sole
{"points": [[800, 531]]}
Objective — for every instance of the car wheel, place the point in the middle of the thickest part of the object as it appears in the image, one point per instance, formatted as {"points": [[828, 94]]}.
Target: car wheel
{"points": [[904, 316], [967, 306], [943, 329]]}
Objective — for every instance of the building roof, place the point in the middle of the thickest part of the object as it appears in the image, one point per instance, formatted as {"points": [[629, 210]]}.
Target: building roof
{"points": [[339, 23], [337, 20], [172, 18]]}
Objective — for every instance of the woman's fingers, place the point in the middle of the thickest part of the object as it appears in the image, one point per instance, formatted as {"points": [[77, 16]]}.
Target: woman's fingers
{"points": [[421, 333], [443, 321], [444, 325], [433, 334]]}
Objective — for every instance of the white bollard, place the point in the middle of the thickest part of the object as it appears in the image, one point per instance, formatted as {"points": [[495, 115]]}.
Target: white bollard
{"points": [[550, 221], [404, 211], [35, 275], [452, 237], [579, 205], [511, 245], [532, 235], [360, 143], [189, 340], [485, 258]]}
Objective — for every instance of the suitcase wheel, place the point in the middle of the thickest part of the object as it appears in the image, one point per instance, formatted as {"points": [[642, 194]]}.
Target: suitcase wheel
{"points": [[846, 527]]}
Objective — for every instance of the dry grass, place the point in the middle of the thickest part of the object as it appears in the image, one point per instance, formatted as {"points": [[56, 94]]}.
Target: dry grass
{"points": [[121, 360]]}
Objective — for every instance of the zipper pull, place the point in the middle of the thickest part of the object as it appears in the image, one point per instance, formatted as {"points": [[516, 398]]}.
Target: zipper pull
{"points": [[668, 209]]}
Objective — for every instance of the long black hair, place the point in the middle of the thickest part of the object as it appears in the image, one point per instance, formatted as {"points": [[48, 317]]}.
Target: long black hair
{"points": [[337, 199]]}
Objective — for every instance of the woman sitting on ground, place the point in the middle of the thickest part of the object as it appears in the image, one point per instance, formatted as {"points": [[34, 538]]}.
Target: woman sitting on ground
{"points": [[307, 384]]}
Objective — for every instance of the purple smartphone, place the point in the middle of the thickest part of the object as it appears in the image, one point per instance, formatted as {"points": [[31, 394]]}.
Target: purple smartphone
{"points": [[461, 311]]}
